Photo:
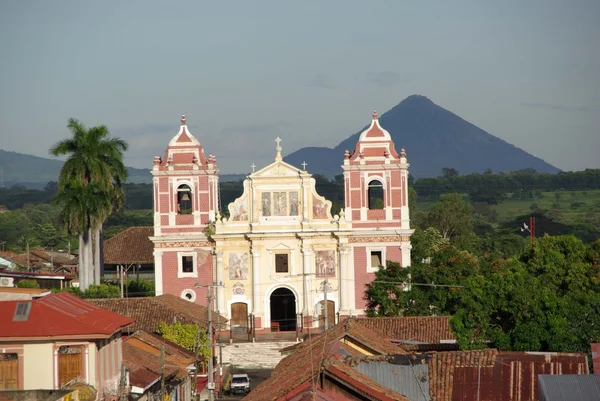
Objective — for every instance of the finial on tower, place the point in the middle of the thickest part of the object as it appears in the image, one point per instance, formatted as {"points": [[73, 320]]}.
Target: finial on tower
{"points": [[278, 149], [183, 121], [375, 115], [402, 153]]}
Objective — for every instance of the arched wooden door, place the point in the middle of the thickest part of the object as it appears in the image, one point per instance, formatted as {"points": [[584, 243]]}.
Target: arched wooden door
{"points": [[330, 314]]}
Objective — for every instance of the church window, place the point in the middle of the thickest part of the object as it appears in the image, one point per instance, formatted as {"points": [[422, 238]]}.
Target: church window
{"points": [[375, 259], [375, 193], [187, 265], [281, 263], [184, 199]]}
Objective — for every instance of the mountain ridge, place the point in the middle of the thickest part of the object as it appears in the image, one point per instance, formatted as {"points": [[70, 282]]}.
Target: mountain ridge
{"points": [[430, 133]]}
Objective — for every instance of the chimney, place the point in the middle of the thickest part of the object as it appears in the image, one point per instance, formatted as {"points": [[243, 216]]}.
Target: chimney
{"points": [[596, 358]]}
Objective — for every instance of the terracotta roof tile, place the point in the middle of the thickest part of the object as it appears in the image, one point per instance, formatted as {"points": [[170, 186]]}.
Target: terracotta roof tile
{"points": [[149, 312], [142, 351], [496, 375], [130, 246], [59, 315], [306, 361], [429, 329]]}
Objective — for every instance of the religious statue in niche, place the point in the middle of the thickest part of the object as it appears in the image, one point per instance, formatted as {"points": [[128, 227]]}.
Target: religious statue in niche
{"points": [[325, 261], [240, 210], [294, 203], [238, 266], [266, 203], [319, 209], [279, 203]]}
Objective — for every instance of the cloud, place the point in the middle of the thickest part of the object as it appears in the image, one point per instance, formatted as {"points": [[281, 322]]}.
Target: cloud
{"points": [[322, 81], [385, 78], [560, 107]]}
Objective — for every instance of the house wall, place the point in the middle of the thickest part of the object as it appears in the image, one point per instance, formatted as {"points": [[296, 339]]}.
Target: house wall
{"points": [[38, 364]]}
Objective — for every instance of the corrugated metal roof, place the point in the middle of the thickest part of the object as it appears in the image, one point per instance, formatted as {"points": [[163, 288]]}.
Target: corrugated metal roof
{"points": [[569, 387], [410, 380]]}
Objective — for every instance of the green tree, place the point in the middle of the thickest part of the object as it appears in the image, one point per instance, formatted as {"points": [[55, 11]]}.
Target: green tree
{"points": [[188, 336], [423, 288], [27, 284], [451, 216], [94, 168]]}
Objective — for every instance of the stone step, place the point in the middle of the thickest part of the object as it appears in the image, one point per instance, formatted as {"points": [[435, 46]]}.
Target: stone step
{"points": [[254, 355]]}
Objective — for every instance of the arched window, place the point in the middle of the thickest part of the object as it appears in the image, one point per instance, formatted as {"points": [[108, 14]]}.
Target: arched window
{"points": [[184, 199], [375, 193]]}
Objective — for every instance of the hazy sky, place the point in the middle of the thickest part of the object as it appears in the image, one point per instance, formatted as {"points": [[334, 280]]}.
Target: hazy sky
{"points": [[310, 72]]}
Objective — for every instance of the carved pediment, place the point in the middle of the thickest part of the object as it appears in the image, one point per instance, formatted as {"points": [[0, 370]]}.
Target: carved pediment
{"points": [[278, 169]]}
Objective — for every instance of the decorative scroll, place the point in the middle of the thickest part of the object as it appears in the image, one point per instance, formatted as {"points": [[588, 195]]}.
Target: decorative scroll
{"points": [[239, 210], [319, 209], [238, 289]]}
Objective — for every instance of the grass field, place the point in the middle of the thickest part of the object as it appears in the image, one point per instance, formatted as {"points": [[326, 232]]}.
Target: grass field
{"points": [[573, 205]]}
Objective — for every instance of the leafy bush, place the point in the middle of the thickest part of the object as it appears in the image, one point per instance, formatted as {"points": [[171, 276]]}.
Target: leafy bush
{"points": [[27, 284]]}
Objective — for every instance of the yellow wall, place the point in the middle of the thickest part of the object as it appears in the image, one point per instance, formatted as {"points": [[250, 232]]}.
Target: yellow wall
{"points": [[92, 365], [38, 364]]}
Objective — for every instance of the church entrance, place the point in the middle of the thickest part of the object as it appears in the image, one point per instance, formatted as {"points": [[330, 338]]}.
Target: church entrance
{"points": [[283, 310]]}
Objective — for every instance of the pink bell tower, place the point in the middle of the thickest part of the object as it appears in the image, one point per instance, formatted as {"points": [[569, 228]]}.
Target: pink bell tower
{"points": [[376, 202], [185, 201]]}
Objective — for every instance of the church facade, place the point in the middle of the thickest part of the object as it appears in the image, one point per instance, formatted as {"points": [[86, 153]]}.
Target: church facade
{"points": [[280, 254]]}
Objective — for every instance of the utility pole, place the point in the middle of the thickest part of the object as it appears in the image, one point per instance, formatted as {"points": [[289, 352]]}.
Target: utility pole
{"points": [[162, 371], [211, 379], [326, 306]]}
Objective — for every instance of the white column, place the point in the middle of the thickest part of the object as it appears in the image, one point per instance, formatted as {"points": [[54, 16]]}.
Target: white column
{"points": [[344, 280], [307, 281], [219, 281], [158, 273], [256, 282], [405, 247]]}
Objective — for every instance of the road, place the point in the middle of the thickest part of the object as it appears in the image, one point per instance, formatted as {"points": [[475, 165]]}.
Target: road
{"points": [[256, 376]]}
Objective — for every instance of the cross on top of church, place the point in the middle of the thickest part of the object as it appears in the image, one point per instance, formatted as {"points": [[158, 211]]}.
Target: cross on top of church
{"points": [[304, 163], [253, 167], [278, 149]]}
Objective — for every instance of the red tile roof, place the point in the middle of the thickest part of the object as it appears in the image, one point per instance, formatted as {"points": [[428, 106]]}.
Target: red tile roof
{"points": [[429, 329], [130, 246], [306, 362], [496, 375], [141, 356], [149, 312], [57, 316]]}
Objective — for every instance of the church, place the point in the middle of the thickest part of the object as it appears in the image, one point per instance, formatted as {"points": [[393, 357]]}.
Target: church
{"points": [[280, 258]]}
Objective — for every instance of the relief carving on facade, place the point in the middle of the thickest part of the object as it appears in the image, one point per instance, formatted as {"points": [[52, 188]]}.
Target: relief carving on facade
{"points": [[325, 263], [238, 266], [238, 289], [395, 238], [186, 244], [239, 210]]}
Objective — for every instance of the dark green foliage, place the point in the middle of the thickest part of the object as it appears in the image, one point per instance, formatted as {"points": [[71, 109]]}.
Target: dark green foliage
{"points": [[27, 284]]}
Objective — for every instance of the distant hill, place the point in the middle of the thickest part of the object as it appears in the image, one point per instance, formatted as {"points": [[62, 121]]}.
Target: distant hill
{"points": [[32, 171], [434, 138], [35, 172]]}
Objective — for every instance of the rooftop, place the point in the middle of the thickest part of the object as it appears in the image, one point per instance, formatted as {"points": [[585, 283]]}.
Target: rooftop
{"points": [[61, 315], [131, 246], [149, 312]]}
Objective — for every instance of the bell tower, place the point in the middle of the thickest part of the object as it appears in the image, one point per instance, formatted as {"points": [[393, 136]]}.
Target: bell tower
{"points": [[185, 186], [375, 180], [186, 200], [376, 201]]}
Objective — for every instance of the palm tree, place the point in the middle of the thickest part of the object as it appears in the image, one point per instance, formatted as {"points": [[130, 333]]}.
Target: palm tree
{"points": [[89, 189]]}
